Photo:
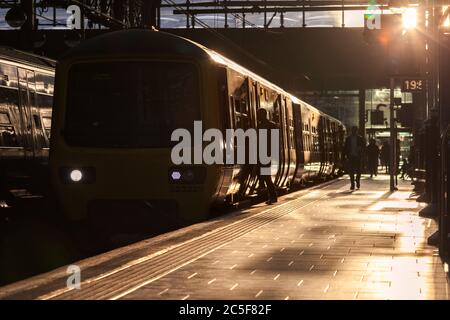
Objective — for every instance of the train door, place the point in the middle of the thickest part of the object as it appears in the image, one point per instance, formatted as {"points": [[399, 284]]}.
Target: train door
{"points": [[254, 105], [26, 99], [299, 145], [290, 158], [279, 119], [240, 111], [322, 151], [42, 112], [38, 135]]}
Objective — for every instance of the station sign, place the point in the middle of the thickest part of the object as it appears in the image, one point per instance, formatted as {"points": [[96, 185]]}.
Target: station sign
{"points": [[413, 85]]}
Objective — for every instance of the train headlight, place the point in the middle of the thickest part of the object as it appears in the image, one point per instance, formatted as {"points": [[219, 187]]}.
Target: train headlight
{"points": [[175, 175], [76, 175], [187, 175]]}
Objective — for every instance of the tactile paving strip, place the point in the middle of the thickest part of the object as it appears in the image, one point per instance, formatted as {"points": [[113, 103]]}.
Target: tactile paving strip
{"points": [[124, 281]]}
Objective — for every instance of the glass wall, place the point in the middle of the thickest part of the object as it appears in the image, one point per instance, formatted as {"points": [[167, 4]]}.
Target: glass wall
{"points": [[343, 105], [378, 118], [377, 107]]}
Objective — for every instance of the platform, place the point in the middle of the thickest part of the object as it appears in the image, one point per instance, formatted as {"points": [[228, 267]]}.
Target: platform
{"points": [[320, 243]]}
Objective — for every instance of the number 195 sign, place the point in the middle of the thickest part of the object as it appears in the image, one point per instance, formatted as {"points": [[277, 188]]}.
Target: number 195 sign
{"points": [[413, 85]]}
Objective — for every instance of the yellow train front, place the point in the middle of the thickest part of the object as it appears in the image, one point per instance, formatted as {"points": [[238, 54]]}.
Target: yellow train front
{"points": [[118, 99]]}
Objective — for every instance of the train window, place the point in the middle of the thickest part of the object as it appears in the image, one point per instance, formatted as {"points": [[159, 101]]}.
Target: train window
{"points": [[276, 111], [44, 83], [8, 75], [4, 119], [9, 97], [143, 111], [291, 137], [39, 134], [47, 122], [240, 102], [37, 121], [4, 79], [8, 137], [44, 101], [9, 100]]}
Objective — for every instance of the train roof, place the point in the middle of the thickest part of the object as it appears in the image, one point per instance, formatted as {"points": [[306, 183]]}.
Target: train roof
{"points": [[30, 59], [140, 42], [137, 42], [235, 66]]}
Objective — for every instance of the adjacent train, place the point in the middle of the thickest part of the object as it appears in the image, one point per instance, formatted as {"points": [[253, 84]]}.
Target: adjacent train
{"points": [[118, 99], [26, 99]]}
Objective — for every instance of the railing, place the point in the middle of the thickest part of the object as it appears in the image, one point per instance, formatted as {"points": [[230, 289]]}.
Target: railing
{"points": [[444, 198]]}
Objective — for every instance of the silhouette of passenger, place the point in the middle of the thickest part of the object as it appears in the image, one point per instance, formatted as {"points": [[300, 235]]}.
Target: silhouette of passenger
{"points": [[265, 123], [373, 153], [405, 169], [353, 150], [385, 155]]}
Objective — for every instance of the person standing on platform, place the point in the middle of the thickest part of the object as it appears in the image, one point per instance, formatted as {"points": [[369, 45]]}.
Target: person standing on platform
{"points": [[265, 123], [385, 155], [353, 150], [373, 153]]}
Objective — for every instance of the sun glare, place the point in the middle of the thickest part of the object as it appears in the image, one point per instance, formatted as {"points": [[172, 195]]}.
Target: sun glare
{"points": [[409, 18]]}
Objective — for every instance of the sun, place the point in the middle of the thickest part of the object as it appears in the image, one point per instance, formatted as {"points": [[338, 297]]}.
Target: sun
{"points": [[409, 17]]}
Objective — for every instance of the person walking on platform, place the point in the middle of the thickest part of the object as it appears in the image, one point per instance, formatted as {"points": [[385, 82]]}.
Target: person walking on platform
{"points": [[373, 153], [265, 123], [353, 150]]}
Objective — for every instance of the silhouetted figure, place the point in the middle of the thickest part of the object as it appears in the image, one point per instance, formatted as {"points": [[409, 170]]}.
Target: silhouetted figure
{"points": [[353, 150], [373, 153], [405, 169], [398, 156], [385, 155], [265, 123]]}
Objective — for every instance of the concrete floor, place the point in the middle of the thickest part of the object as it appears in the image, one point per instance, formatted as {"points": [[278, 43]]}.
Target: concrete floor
{"points": [[324, 242], [367, 244]]}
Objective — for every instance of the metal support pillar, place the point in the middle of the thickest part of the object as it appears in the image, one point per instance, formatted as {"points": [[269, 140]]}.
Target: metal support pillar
{"points": [[393, 138]]}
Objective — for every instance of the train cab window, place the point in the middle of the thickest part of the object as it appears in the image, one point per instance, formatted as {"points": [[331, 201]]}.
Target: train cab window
{"points": [[138, 111]]}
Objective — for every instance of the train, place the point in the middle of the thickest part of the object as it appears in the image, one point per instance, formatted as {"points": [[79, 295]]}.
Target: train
{"points": [[120, 96], [26, 101]]}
